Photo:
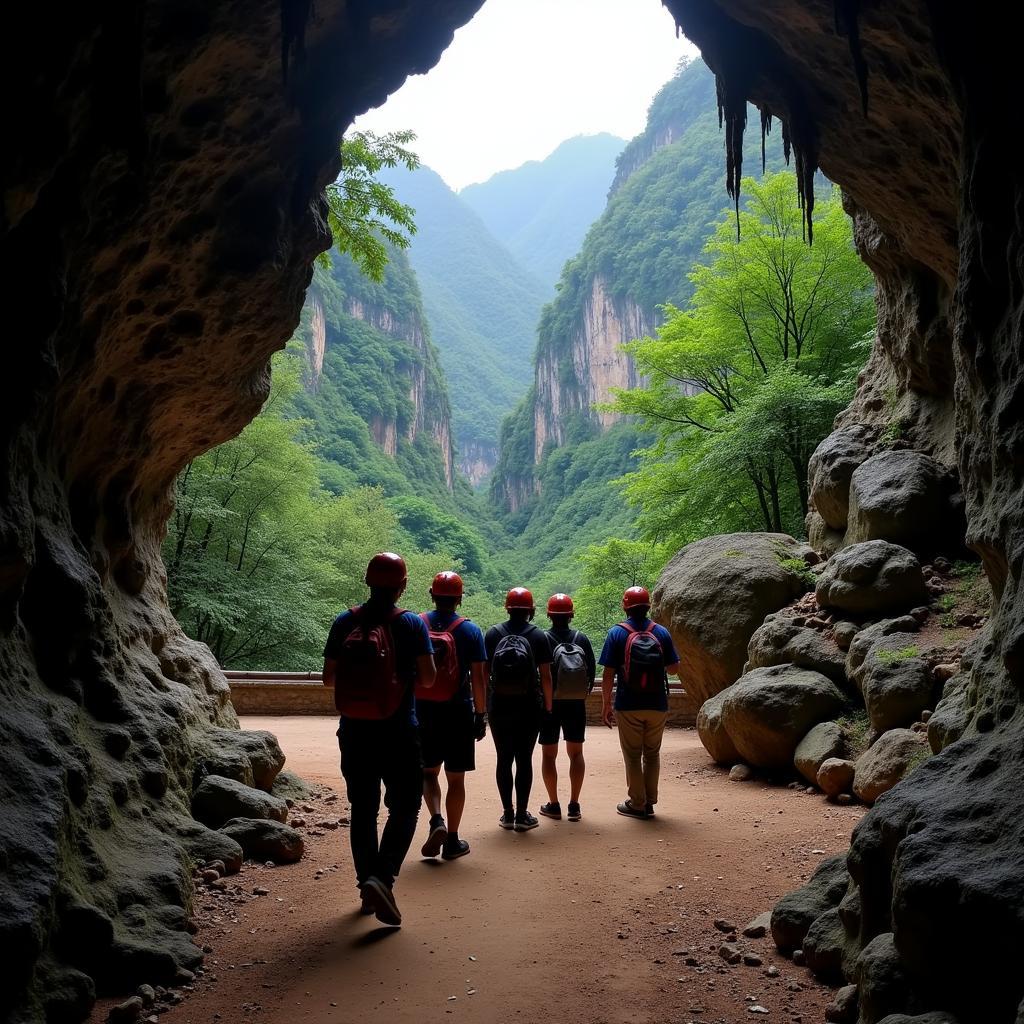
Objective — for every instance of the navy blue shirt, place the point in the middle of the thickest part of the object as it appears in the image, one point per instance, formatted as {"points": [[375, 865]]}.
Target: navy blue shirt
{"points": [[469, 647], [411, 639], [614, 656], [538, 641]]}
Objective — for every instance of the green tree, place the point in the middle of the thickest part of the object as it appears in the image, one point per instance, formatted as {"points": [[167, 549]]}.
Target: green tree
{"points": [[743, 384], [362, 212]]}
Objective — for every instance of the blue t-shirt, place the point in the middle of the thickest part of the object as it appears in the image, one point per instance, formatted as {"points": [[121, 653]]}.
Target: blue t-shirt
{"points": [[469, 647], [613, 656], [411, 640]]}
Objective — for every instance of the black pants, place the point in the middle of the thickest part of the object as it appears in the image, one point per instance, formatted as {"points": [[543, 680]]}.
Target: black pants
{"points": [[375, 754], [515, 728]]}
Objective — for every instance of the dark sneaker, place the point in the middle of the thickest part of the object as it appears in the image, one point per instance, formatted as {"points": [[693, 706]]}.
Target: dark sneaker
{"points": [[552, 810], [365, 907], [525, 821], [650, 810], [507, 820], [454, 849], [630, 811], [574, 811], [382, 899], [435, 837]]}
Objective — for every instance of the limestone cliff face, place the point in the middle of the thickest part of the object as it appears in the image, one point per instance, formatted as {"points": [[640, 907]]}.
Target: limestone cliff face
{"points": [[317, 339], [577, 379], [476, 461]]}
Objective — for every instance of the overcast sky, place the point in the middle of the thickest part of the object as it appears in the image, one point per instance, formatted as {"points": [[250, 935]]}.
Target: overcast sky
{"points": [[524, 75]]}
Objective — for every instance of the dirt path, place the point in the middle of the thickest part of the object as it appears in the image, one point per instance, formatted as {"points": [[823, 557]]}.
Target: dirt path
{"points": [[589, 922]]}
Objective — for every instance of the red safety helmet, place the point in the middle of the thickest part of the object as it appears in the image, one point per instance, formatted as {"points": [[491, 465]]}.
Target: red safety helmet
{"points": [[519, 597], [636, 597], [386, 569], [560, 604], [446, 584]]}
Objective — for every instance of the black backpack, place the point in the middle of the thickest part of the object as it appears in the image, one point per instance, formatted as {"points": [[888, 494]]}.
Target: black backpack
{"points": [[572, 678], [513, 669], [644, 669]]}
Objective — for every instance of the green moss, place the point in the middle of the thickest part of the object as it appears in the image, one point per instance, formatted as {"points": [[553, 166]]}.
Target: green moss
{"points": [[800, 568], [732, 554], [855, 728], [898, 655]]}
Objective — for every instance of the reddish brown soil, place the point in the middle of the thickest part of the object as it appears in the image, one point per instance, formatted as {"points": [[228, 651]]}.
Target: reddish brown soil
{"points": [[586, 922]]}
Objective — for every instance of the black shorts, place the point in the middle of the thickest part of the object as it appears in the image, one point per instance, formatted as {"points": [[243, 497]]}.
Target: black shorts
{"points": [[568, 717], [447, 735]]}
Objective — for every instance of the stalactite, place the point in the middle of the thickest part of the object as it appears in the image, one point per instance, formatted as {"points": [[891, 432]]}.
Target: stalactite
{"points": [[294, 16], [847, 14], [732, 112], [766, 128]]}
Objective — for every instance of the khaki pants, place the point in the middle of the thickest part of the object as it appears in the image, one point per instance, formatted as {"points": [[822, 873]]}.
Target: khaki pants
{"points": [[640, 734]]}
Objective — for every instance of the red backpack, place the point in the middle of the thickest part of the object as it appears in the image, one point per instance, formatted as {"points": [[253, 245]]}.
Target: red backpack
{"points": [[366, 682], [448, 680], [644, 667]]}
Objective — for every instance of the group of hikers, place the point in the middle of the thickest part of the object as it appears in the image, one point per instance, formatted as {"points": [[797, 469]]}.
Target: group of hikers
{"points": [[415, 693]]}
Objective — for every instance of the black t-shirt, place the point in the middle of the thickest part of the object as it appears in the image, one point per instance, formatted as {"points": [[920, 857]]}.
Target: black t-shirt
{"points": [[538, 642], [571, 636]]}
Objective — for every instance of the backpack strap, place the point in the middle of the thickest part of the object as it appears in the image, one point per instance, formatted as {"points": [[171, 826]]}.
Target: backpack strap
{"points": [[628, 627], [425, 616], [458, 622]]}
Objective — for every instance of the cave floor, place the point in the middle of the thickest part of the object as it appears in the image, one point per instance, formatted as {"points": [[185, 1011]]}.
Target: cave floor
{"points": [[579, 922]]}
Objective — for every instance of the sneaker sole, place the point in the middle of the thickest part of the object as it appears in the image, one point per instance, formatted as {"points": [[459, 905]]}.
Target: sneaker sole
{"points": [[384, 906], [642, 815], [575, 817], [522, 827], [553, 817], [456, 856], [436, 839], [507, 826]]}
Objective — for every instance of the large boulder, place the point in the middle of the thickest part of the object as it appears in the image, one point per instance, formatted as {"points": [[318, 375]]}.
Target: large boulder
{"points": [[826, 740], [896, 684], [831, 466], [951, 716], [891, 758], [883, 986], [251, 757], [872, 577], [715, 592], [794, 914], [780, 641], [898, 634], [711, 730], [217, 800], [770, 710], [264, 839], [908, 498], [835, 776]]}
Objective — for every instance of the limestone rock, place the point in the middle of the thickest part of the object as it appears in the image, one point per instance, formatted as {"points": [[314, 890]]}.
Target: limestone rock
{"points": [[883, 986], [948, 722], [893, 755], [826, 740], [825, 946], [843, 633], [770, 710], [895, 681], [872, 577], [715, 592], [740, 772], [843, 1008], [266, 839], [908, 498], [711, 731], [780, 641], [936, 1017], [832, 465], [759, 927], [835, 776], [251, 757], [217, 800], [898, 634], [207, 844], [794, 914], [289, 786], [825, 540]]}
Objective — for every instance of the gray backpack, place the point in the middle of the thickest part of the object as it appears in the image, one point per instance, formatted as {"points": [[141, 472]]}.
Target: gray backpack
{"points": [[569, 664]]}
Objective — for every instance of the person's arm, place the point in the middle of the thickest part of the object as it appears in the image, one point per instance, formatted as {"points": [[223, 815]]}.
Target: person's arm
{"points": [[672, 670], [607, 682], [330, 672], [669, 649], [588, 653], [546, 686], [478, 676], [426, 671]]}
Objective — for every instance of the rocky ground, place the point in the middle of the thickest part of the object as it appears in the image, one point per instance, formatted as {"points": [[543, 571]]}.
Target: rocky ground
{"points": [[607, 920]]}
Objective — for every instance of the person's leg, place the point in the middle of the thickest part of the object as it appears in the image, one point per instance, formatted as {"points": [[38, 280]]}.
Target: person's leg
{"points": [[529, 729], [577, 770], [631, 726], [549, 769], [362, 784], [504, 746], [574, 725], [432, 790], [654, 733], [455, 801], [402, 773]]}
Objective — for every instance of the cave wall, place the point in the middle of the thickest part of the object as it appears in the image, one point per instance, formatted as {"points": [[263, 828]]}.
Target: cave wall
{"points": [[919, 143], [161, 211]]}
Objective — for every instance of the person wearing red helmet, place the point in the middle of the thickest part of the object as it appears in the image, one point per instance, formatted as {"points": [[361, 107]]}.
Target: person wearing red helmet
{"points": [[519, 671], [638, 657], [573, 668], [376, 654], [449, 728]]}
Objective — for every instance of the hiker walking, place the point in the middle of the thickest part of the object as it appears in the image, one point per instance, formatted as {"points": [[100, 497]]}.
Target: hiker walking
{"points": [[519, 667], [573, 669], [449, 726], [375, 654], [638, 657]]}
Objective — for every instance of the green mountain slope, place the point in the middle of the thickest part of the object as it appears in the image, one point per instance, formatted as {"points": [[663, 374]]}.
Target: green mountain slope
{"points": [[482, 306], [542, 210]]}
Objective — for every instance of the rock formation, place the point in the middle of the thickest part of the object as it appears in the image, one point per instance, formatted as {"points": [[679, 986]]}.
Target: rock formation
{"points": [[161, 215], [904, 106]]}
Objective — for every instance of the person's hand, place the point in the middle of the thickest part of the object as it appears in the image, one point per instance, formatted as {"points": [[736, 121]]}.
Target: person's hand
{"points": [[479, 726], [547, 707], [608, 716]]}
